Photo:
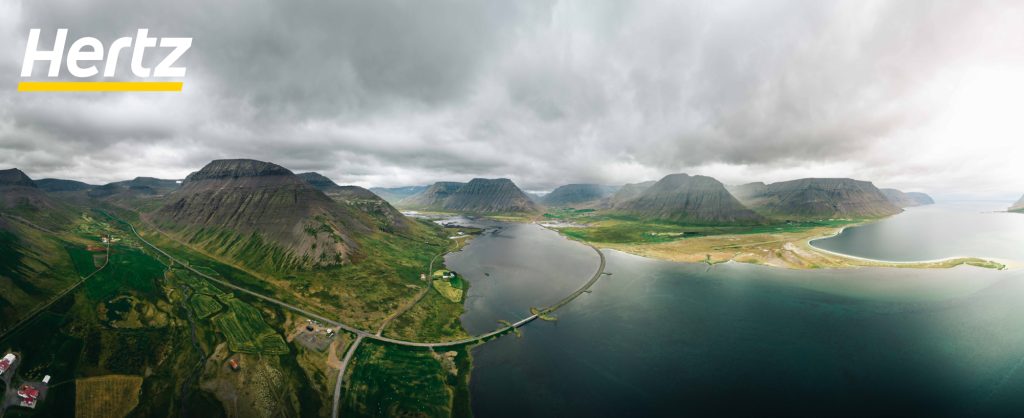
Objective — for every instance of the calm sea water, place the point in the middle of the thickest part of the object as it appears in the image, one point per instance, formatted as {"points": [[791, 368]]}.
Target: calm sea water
{"points": [[970, 229], [668, 339]]}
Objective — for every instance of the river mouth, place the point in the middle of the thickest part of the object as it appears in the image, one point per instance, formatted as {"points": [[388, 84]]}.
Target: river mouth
{"points": [[658, 338]]}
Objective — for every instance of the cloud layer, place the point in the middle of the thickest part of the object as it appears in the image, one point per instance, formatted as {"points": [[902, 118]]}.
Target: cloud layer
{"points": [[916, 95]]}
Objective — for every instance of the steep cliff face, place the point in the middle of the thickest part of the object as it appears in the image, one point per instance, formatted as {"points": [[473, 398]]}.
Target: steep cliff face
{"points": [[816, 198], [384, 216], [490, 196], [689, 199], [261, 215], [629, 192], [906, 199], [433, 197], [1019, 206], [582, 195]]}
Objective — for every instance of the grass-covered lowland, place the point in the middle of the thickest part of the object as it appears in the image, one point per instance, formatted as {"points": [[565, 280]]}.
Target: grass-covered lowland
{"points": [[146, 326], [779, 243]]}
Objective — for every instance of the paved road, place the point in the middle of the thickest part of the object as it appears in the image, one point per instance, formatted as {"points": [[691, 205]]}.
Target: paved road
{"points": [[361, 334], [341, 376], [53, 300], [367, 334]]}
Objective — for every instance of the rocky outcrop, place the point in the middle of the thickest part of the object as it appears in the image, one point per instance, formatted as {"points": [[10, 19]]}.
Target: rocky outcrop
{"points": [[816, 198], [906, 199], [261, 215], [578, 195], [682, 198]]}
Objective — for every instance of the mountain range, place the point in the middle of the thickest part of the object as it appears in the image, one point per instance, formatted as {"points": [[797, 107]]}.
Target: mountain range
{"points": [[683, 198], [816, 198], [385, 216], [578, 195], [492, 196], [907, 199]]}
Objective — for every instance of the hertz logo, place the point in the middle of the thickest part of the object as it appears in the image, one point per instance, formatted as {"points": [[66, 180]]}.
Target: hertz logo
{"points": [[86, 55]]}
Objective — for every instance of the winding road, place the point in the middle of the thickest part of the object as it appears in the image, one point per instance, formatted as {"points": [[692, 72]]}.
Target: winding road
{"points": [[361, 334]]}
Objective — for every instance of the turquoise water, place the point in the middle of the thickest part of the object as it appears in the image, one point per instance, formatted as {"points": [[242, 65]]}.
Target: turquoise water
{"points": [[668, 339], [964, 229]]}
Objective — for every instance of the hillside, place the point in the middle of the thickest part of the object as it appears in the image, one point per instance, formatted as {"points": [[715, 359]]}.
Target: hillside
{"points": [[629, 192], [61, 185], [816, 198], [490, 196], [907, 199], [20, 196], [578, 195], [385, 216], [682, 198], [433, 197], [261, 215], [1019, 206], [394, 194]]}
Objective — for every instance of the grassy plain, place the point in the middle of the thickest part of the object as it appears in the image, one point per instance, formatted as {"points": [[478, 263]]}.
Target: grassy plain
{"points": [[111, 396]]}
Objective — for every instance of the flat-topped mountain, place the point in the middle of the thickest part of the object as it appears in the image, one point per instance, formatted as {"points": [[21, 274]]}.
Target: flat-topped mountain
{"points": [[433, 197], [262, 215], [907, 199], [578, 195], [61, 185], [139, 186], [1019, 206], [688, 199], [816, 198], [490, 196], [386, 217], [395, 194]]}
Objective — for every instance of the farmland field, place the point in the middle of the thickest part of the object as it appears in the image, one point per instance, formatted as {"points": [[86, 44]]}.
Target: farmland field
{"points": [[106, 396], [204, 305], [245, 330]]}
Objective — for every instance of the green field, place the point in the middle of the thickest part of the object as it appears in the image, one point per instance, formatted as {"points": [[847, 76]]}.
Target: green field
{"points": [[245, 330], [626, 230], [388, 381], [204, 305]]}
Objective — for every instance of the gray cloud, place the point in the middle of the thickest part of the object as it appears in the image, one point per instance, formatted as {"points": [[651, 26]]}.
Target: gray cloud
{"points": [[545, 92]]}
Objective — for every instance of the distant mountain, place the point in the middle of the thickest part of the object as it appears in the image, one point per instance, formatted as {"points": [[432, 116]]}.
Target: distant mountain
{"points": [[395, 194], [61, 185], [478, 196], [139, 186], [433, 197], [907, 199], [629, 192], [262, 215], [1019, 206], [578, 195], [490, 196], [816, 198], [688, 199], [21, 197], [385, 216]]}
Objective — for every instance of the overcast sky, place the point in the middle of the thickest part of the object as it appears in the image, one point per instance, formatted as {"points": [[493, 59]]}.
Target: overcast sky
{"points": [[918, 95]]}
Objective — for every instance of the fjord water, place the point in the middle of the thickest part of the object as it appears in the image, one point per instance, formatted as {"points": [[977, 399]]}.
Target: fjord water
{"points": [[666, 339], [955, 229]]}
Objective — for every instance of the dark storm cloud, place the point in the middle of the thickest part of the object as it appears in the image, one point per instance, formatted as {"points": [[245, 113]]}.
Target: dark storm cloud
{"points": [[545, 92]]}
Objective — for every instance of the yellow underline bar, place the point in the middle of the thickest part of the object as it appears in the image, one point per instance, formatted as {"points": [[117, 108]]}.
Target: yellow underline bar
{"points": [[100, 85]]}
